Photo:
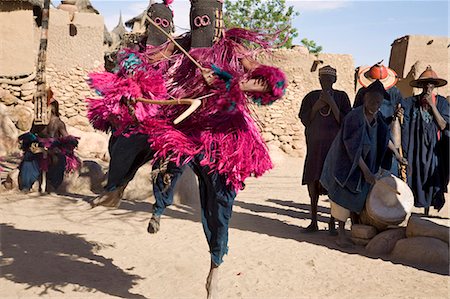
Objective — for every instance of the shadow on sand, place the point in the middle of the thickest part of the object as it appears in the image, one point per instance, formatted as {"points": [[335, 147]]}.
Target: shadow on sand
{"points": [[53, 260], [277, 228]]}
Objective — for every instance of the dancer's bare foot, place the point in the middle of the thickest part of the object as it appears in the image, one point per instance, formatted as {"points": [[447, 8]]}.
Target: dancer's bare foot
{"points": [[311, 228], [110, 199], [154, 224], [212, 282]]}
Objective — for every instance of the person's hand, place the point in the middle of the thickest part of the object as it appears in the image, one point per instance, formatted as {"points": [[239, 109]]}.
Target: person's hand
{"points": [[35, 149], [209, 76], [254, 85], [370, 177], [399, 112], [402, 161], [428, 97], [326, 97]]}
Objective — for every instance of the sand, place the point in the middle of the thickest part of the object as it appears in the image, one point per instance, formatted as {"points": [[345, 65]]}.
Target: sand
{"points": [[57, 247]]}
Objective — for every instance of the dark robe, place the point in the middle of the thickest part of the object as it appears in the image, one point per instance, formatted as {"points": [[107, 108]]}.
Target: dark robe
{"points": [[341, 175], [320, 131], [420, 140]]}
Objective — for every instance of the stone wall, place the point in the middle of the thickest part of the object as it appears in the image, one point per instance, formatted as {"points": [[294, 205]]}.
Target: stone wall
{"points": [[281, 126], [69, 59]]}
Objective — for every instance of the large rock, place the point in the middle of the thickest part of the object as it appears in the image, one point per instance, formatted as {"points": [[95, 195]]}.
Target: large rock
{"points": [[384, 242], [428, 227], [363, 231], [86, 180], [24, 117], [423, 251], [7, 98], [91, 144], [8, 133], [141, 189]]}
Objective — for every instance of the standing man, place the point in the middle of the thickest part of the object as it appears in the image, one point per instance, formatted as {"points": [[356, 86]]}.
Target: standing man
{"points": [[427, 116], [321, 113]]}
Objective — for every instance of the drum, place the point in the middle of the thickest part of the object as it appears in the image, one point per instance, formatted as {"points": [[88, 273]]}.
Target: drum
{"points": [[389, 203]]}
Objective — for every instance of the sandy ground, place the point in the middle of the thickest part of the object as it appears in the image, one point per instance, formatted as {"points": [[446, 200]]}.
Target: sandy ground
{"points": [[56, 247]]}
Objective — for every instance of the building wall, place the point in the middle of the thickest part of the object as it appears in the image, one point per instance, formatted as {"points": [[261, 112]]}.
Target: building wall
{"points": [[17, 51], [85, 49], [411, 54], [281, 126]]}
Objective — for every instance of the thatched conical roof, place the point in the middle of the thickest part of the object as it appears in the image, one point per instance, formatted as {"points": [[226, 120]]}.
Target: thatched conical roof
{"points": [[120, 29], [86, 6]]}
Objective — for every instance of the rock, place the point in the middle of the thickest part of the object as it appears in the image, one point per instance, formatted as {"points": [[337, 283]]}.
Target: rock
{"points": [[88, 179], [140, 187], [8, 98], [363, 231], [420, 226], [78, 121], [8, 133], [186, 189], [24, 117], [28, 97], [91, 144], [267, 136], [360, 241], [12, 180], [29, 86], [285, 138], [287, 148], [424, 251], [384, 242], [27, 93]]}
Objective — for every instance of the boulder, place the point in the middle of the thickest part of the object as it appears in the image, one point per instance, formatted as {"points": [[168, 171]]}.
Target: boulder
{"points": [[8, 99], [384, 242], [86, 180], [24, 117], [420, 226], [8, 133], [91, 144], [423, 251], [363, 231], [360, 241], [186, 190], [77, 120]]}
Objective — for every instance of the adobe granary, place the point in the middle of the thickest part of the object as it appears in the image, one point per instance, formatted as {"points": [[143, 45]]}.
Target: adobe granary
{"points": [[411, 54]]}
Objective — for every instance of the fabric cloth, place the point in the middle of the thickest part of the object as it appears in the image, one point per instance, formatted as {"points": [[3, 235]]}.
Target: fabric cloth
{"points": [[341, 175], [420, 138], [320, 131], [388, 106], [216, 199], [128, 154]]}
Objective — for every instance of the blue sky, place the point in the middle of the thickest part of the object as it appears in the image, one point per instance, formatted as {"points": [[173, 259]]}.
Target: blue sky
{"points": [[364, 29]]}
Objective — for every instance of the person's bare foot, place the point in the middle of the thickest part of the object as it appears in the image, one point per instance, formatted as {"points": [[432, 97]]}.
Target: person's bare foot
{"points": [[212, 282], [154, 224], [311, 228], [110, 199]]}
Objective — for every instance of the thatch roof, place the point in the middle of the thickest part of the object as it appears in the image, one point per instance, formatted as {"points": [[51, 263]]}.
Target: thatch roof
{"points": [[86, 6], [120, 29], [138, 18]]}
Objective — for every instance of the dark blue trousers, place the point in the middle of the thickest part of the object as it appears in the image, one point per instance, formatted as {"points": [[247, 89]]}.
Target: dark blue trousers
{"points": [[216, 200]]}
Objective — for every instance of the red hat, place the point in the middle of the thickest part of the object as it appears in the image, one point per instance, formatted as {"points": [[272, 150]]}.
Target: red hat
{"points": [[387, 76]]}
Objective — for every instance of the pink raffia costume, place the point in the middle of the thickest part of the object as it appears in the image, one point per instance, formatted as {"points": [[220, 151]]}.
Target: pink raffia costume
{"points": [[220, 141]]}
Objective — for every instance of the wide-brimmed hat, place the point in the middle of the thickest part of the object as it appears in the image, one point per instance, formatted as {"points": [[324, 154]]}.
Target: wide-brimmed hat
{"points": [[380, 72], [390, 200], [428, 76]]}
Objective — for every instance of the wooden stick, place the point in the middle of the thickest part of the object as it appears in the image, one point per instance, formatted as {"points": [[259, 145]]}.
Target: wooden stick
{"points": [[177, 44], [193, 105]]}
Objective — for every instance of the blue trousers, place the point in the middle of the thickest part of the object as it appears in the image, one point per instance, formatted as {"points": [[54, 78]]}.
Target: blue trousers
{"points": [[216, 200], [29, 171], [127, 154]]}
